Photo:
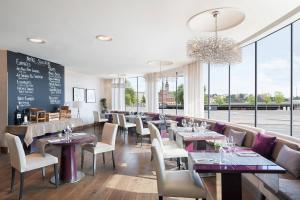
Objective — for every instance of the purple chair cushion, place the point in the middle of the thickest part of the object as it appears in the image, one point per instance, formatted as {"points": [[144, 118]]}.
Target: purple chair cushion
{"points": [[263, 144], [219, 128]]}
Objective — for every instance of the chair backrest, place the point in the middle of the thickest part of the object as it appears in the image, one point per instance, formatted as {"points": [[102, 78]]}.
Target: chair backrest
{"points": [[159, 164], [109, 134], [122, 120], [139, 125], [16, 151], [155, 134], [96, 116], [115, 117]]}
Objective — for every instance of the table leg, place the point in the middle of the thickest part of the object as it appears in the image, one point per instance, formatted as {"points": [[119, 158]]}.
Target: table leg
{"points": [[231, 186], [68, 166]]}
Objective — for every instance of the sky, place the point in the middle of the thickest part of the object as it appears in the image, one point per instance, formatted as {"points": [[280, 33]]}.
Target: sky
{"points": [[273, 68]]}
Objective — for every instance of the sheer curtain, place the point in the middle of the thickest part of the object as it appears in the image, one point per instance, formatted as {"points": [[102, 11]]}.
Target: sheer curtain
{"points": [[193, 90], [151, 92], [118, 94]]}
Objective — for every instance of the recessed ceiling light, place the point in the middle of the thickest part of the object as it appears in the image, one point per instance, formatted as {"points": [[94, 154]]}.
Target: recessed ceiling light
{"points": [[104, 37], [36, 40]]}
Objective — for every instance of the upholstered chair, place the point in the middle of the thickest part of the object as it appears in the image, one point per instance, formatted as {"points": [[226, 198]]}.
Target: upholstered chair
{"points": [[115, 118], [170, 149], [97, 119], [107, 144], [140, 130], [181, 183], [22, 163], [125, 125]]}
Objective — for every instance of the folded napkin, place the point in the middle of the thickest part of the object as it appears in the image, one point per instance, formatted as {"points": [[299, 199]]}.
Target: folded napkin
{"points": [[247, 154]]}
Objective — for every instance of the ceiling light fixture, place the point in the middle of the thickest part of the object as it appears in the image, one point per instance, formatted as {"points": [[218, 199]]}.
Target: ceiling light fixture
{"points": [[104, 37], [214, 49], [36, 40]]}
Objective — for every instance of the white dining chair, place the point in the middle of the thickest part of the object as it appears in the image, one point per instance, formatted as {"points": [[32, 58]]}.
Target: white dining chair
{"points": [[22, 163], [98, 120], [170, 149], [140, 130], [181, 183], [115, 118], [125, 125], [107, 144]]}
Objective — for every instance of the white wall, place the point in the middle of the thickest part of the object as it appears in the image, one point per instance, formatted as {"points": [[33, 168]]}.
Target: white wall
{"points": [[75, 79]]}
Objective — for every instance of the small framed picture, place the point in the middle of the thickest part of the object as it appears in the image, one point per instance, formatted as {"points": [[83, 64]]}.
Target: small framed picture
{"points": [[90, 95], [78, 94]]}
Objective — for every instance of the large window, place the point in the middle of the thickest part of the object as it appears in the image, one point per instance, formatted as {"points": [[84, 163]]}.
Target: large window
{"points": [[131, 94], [205, 88], [296, 79], [141, 94], [171, 95], [243, 87], [260, 86], [219, 92], [180, 93], [273, 81]]}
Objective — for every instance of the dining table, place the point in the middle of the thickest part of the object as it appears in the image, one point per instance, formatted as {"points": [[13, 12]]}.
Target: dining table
{"points": [[131, 118], [68, 172], [194, 138], [230, 166]]}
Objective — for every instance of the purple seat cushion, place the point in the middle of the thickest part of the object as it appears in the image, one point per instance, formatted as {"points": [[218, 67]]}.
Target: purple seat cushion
{"points": [[263, 144], [219, 128]]}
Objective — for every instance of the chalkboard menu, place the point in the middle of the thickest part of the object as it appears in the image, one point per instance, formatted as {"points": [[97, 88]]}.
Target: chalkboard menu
{"points": [[33, 83]]}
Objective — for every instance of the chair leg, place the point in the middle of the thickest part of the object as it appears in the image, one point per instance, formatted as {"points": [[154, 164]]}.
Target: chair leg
{"points": [[141, 140], [124, 135], [151, 159], [94, 127], [56, 175], [94, 164], [43, 172], [160, 197], [13, 175], [82, 158], [21, 186], [178, 163], [113, 159], [103, 156]]}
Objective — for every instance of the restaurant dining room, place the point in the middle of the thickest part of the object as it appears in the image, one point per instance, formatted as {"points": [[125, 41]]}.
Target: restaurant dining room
{"points": [[149, 100]]}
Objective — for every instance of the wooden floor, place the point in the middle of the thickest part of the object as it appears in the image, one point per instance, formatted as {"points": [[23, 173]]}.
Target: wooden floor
{"points": [[134, 177]]}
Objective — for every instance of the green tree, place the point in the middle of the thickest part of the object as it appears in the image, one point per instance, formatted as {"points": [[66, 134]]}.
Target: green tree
{"points": [[130, 96], [219, 100], [251, 99], [180, 95], [143, 100], [279, 97], [266, 99]]}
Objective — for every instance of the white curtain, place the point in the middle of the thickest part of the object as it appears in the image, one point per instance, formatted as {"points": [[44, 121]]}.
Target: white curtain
{"points": [[151, 92], [193, 90], [118, 94]]}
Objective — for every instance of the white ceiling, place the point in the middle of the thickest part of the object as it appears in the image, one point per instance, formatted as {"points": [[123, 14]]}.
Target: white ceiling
{"points": [[142, 30]]}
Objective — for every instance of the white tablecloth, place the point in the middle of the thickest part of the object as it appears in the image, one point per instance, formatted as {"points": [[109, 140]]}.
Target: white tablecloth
{"points": [[41, 128]]}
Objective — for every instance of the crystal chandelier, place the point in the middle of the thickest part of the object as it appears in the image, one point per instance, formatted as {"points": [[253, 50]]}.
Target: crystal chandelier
{"points": [[214, 49]]}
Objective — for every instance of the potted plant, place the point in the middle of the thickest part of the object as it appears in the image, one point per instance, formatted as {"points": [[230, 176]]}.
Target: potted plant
{"points": [[103, 105]]}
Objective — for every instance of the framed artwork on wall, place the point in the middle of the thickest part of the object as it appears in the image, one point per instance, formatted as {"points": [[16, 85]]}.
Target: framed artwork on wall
{"points": [[90, 95], [78, 94]]}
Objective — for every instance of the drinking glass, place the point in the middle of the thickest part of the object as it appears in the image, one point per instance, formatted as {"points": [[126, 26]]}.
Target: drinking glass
{"points": [[183, 122]]}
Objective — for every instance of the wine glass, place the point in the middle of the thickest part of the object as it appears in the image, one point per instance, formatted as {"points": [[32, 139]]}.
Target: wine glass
{"points": [[183, 122]]}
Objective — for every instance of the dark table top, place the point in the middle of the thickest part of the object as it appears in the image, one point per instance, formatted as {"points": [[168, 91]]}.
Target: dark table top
{"points": [[205, 162]]}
